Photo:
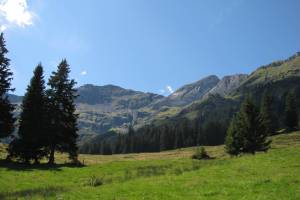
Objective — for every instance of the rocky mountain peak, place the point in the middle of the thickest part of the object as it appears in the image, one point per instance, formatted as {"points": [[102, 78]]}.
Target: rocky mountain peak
{"points": [[227, 84]]}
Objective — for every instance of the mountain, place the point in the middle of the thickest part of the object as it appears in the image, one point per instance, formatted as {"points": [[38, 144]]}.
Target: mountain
{"points": [[205, 120], [275, 71], [228, 84], [15, 98], [114, 97], [277, 79], [189, 93], [102, 108]]}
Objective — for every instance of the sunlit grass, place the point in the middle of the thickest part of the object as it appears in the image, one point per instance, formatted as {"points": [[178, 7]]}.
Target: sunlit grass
{"points": [[165, 175]]}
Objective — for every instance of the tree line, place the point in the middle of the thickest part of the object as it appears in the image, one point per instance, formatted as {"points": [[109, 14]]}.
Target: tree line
{"points": [[154, 139], [247, 132], [48, 122]]}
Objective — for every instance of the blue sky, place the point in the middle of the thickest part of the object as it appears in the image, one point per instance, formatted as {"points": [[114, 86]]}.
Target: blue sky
{"points": [[147, 45]]}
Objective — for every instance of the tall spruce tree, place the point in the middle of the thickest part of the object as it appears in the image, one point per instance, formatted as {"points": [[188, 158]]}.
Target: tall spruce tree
{"points": [[61, 113], [255, 138], [247, 132], [6, 108], [30, 145], [291, 114], [267, 115], [235, 136]]}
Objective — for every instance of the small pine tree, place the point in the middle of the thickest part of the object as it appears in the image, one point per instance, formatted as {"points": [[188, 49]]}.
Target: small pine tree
{"points": [[200, 153], [267, 115], [62, 134], [291, 114], [31, 140], [6, 108]]}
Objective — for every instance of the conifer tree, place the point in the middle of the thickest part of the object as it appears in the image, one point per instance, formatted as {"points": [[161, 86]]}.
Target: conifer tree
{"points": [[247, 132], [178, 138], [291, 114], [267, 115], [30, 145], [255, 138], [61, 113], [128, 148], [235, 139], [6, 108], [162, 140]]}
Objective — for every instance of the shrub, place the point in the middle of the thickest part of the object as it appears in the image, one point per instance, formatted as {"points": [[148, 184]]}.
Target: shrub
{"points": [[200, 153], [94, 181]]}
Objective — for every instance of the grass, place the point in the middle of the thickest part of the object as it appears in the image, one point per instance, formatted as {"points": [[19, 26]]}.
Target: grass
{"points": [[165, 175], [275, 73]]}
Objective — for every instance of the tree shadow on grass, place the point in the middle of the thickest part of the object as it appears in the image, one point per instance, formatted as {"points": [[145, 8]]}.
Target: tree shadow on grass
{"points": [[35, 192], [10, 165]]}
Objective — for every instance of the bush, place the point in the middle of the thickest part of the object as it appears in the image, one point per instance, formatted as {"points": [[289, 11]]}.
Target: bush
{"points": [[94, 181], [200, 153]]}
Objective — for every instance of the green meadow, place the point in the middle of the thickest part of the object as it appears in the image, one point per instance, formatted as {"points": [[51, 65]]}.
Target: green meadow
{"points": [[165, 175]]}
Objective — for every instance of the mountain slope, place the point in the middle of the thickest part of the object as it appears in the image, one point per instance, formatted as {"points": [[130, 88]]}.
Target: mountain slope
{"points": [[277, 79], [275, 72], [228, 84], [115, 97], [189, 93], [101, 108]]}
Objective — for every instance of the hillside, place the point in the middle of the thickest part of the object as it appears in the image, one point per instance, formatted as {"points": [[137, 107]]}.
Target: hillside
{"points": [[223, 100], [165, 175], [274, 72], [101, 108], [277, 79], [228, 84], [189, 93]]}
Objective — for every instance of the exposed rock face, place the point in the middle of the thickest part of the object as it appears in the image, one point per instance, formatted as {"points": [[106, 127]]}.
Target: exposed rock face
{"points": [[228, 84], [189, 93]]}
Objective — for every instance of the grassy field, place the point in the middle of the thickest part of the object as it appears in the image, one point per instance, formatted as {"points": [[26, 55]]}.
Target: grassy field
{"points": [[166, 175]]}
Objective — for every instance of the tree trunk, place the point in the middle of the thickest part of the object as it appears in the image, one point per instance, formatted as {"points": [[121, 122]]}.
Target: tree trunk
{"points": [[51, 157], [36, 161]]}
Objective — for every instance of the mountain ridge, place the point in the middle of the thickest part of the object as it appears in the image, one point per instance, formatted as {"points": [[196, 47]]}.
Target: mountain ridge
{"points": [[107, 107]]}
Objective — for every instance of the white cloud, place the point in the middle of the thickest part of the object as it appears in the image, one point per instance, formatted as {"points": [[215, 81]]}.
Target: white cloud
{"points": [[170, 89], [83, 73], [2, 28], [15, 12]]}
